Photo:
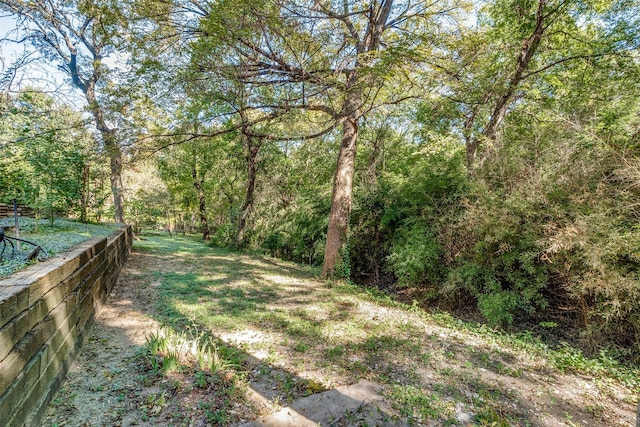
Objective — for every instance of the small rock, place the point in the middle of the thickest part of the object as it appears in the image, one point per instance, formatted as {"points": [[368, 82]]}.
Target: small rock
{"points": [[464, 417], [461, 416]]}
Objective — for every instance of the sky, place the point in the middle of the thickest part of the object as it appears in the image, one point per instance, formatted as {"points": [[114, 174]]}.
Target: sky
{"points": [[45, 76], [42, 75]]}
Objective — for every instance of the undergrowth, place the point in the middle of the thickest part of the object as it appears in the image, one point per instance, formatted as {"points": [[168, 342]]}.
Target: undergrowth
{"points": [[565, 358]]}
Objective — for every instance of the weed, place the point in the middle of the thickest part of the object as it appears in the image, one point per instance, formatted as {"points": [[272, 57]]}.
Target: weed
{"points": [[596, 410], [155, 403], [200, 379], [335, 352], [217, 417], [417, 404], [313, 387], [289, 387], [301, 347], [171, 362], [211, 359], [446, 371], [490, 417], [359, 368], [426, 357]]}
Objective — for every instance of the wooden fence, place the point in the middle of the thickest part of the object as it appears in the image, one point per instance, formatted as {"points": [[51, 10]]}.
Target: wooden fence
{"points": [[6, 210]]}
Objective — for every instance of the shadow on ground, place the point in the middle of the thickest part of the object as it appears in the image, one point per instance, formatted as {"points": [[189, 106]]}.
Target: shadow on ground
{"points": [[296, 337]]}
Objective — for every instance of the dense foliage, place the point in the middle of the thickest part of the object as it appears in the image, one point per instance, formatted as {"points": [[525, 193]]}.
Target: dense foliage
{"points": [[47, 157]]}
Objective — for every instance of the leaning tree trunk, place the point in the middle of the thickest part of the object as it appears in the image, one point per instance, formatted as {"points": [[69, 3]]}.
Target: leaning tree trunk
{"points": [[527, 51], [337, 232]]}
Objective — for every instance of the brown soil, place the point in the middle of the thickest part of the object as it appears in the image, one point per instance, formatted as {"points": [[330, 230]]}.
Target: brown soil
{"points": [[103, 387]]}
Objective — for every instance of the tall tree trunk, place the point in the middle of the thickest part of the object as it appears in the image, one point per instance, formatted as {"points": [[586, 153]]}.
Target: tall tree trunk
{"points": [[337, 232], [198, 184], [252, 151], [111, 146], [115, 162]]}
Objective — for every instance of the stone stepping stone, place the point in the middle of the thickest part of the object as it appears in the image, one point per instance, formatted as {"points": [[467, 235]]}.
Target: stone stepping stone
{"points": [[343, 406]]}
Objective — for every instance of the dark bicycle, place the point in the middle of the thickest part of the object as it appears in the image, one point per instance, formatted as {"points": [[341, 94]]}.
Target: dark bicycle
{"points": [[34, 254]]}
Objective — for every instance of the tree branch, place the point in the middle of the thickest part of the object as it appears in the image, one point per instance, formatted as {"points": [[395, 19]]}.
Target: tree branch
{"points": [[567, 59]]}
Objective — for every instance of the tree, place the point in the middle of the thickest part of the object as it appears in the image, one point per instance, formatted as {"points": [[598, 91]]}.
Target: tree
{"points": [[44, 153], [539, 228], [514, 45], [78, 35], [221, 95], [327, 60]]}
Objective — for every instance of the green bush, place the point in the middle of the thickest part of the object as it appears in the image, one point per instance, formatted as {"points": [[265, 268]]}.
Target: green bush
{"points": [[297, 233], [396, 223], [224, 235], [414, 255], [500, 265]]}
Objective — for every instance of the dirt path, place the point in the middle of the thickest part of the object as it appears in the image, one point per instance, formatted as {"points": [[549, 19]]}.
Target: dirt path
{"points": [[109, 385], [103, 387], [298, 337]]}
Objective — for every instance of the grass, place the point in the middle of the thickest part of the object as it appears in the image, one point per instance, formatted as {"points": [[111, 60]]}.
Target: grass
{"points": [[275, 324], [62, 236], [169, 351]]}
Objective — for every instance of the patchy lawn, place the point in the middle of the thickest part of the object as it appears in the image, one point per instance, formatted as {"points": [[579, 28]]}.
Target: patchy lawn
{"points": [[196, 336]]}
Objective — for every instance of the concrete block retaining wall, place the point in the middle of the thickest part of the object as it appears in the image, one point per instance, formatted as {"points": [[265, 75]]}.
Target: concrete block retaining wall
{"points": [[45, 313]]}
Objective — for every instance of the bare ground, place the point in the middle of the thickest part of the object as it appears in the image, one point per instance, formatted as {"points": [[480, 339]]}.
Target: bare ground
{"points": [[432, 375]]}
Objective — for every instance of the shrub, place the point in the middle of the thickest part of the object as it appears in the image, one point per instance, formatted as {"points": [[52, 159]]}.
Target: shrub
{"points": [[414, 255]]}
